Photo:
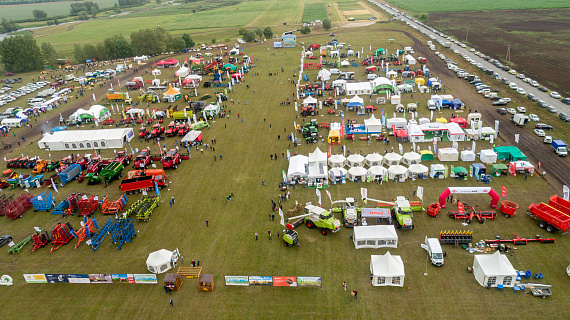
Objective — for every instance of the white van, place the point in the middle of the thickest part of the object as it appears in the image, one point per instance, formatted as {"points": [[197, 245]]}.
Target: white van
{"points": [[513, 86], [335, 71], [434, 251], [431, 105], [12, 122], [371, 76]]}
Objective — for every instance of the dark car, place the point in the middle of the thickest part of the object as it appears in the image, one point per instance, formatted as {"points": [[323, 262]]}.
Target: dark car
{"points": [[502, 110], [542, 89], [495, 98], [566, 100], [564, 117], [531, 97], [5, 239], [500, 103], [542, 103], [543, 126]]}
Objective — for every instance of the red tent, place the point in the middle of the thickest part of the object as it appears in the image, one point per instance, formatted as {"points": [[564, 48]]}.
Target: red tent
{"points": [[401, 135], [460, 121], [237, 75]]}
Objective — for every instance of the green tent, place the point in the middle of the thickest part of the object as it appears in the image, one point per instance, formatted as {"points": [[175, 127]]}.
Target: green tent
{"points": [[230, 66], [379, 52], [427, 155], [498, 169], [509, 153], [460, 172]]}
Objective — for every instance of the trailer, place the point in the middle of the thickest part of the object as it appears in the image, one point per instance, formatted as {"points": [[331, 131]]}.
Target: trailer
{"points": [[143, 208], [112, 171], [69, 173], [43, 202], [552, 216], [17, 247], [138, 184], [16, 208], [517, 241], [40, 239]]}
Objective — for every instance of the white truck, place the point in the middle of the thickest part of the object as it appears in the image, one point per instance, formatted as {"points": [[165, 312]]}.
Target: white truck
{"points": [[520, 119], [434, 251], [560, 148]]}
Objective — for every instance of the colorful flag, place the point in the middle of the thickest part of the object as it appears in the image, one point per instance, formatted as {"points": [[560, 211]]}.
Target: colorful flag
{"points": [[503, 192], [460, 209], [420, 192], [329, 194], [319, 195], [364, 194], [54, 186]]}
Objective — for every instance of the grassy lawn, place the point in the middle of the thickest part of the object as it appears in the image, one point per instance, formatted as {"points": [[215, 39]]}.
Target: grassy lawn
{"points": [[314, 11], [228, 246], [51, 8], [465, 5]]}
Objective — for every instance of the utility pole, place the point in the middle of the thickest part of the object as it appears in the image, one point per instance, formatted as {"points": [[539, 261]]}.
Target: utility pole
{"points": [[509, 52]]}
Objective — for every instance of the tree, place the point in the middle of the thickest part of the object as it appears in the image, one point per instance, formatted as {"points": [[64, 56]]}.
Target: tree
{"points": [[21, 54], [327, 24], [8, 25], [423, 17], [78, 53], [305, 30], [39, 14], [49, 54], [248, 36], [116, 8], [82, 15], [55, 22], [177, 44], [242, 30], [188, 40], [117, 47], [214, 40], [259, 32], [268, 33], [149, 41]]}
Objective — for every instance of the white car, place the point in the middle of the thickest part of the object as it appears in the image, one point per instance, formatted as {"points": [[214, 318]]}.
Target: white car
{"points": [[539, 132], [527, 80], [534, 83], [507, 100], [555, 95], [521, 109], [533, 117], [511, 111], [521, 91], [520, 76], [472, 50]]}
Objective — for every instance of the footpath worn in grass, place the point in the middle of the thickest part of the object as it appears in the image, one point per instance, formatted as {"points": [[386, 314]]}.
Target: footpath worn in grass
{"points": [[228, 246]]}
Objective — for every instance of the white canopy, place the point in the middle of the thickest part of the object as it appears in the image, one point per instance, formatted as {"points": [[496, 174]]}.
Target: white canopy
{"points": [[324, 75], [437, 169], [355, 173], [161, 261], [337, 161], [182, 72], [410, 158], [447, 154], [418, 169], [99, 112], [467, 155], [86, 139], [156, 72], [135, 110], [373, 124], [378, 236], [373, 159], [376, 172], [397, 171], [357, 99], [355, 160], [493, 270], [318, 156], [298, 167], [387, 270], [337, 173], [392, 159], [344, 63], [488, 156], [310, 100]]}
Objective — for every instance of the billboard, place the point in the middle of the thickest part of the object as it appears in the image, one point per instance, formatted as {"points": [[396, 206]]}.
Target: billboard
{"points": [[78, 278], [277, 44], [289, 41], [284, 281], [35, 278], [237, 281], [56, 278], [100, 278], [145, 278], [260, 281], [309, 281], [122, 278]]}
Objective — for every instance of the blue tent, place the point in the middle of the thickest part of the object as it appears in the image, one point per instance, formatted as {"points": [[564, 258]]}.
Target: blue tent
{"points": [[58, 129]]}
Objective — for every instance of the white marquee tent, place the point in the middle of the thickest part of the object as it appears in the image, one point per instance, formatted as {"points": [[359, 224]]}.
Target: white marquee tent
{"points": [[467, 155], [337, 161], [317, 167], [378, 236], [418, 169], [447, 154], [310, 100], [357, 173], [410, 158], [376, 172], [387, 270], [86, 139], [492, 270], [338, 175], [298, 167], [355, 160], [373, 159], [488, 156], [392, 158], [373, 125], [324, 75], [398, 171], [162, 260]]}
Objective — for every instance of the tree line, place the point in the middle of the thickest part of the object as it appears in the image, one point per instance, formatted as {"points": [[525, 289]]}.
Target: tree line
{"points": [[249, 35]]}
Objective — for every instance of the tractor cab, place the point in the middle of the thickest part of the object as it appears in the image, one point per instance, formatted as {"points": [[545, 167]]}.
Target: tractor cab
{"points": [[182, 130], [142, 132]]}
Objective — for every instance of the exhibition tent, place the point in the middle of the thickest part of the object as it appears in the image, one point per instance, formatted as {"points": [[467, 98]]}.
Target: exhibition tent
{"points": [[81, 115], [387, 270], [171, 95], [324, 75], [418, 169], [357, 173], [373, 125], [182, 72], [437, 170], [392, 159], [397, 171], [86, 139], [378, 236], [99, 112], [309, 101], [337, 161], [338, 175], [460, 172], [410, 158], [498, 169], [427, 155], [520, 167], [488, 156], [355, 160], [509, 153], [448, 154], [191, 138], [492, 270], [376, 172], [467, 155], [298, 167], [373, 159], [161, 261]]}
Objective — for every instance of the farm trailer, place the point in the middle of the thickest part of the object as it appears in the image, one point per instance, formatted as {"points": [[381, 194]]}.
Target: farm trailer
{"points": [[69, 173], [552, 216]]}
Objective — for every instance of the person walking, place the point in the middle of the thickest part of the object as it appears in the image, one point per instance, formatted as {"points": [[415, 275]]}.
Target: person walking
{"points": [[172, 199], [256, 236], [269, 233], [344, 285], [355, 294], [171, 303], [207, 223]]}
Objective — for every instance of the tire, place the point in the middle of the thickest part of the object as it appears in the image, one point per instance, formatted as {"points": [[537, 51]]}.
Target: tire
{"points": [[550, 228], [324, 232], [175, 166], [310, 224], [542, 224]]}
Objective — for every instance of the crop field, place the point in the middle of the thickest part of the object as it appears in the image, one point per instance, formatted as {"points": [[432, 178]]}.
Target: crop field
{"points": [[482, 5], [24, 11], [228, 246], [314, 11], [539, 39]]}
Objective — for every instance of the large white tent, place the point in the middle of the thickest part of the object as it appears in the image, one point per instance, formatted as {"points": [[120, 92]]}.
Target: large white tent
{"points": [[410, 158], [488, 156], [99, 112], [392, 158], [447, 154], [437, 171], [467, 155], [418, 169], [317, 168], [397, 171], [162, 260], [182, 72], [357, 173], [324, 75], [376, 172], [298, 167], [86, 139], [338, 175], [355, 160], [373, 159], [337, 161], [494, 269], [379, 236], [373, 125], [387, 270], [310, 100]]}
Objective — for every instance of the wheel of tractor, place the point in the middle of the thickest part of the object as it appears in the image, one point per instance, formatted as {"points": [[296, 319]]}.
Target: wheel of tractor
{"points": [[136, 191], [542, 224], [468, 221], [175, 166], [550, 228], [310, 225], [324, 232]]}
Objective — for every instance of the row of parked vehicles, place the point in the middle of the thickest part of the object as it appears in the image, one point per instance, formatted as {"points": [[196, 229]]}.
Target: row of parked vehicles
{"points": [[9, 96]]}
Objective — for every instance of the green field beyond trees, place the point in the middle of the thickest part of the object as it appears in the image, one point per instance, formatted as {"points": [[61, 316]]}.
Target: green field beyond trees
{"points": [[314, 11], [480, 5]]}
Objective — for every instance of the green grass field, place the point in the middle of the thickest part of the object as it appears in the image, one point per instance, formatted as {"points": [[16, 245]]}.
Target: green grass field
{"points": [[228, 246], [51, 8], [465, 5], [314, 11]]}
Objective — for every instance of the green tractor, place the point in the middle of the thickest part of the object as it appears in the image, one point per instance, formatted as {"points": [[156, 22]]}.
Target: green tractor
{"points": [[111, 171], [290, 236], [93, 178], [318, 217]]}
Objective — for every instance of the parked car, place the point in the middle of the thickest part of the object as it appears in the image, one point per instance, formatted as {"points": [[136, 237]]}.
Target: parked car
{"points": [[5, 239], [543, 126], [500, 103], [542, 89], [502, 111], [539, 132], [564, 116], [566, 100], [542, 103], [507, 100], [511, 110], [533, 117], [555, 95], [521, 91], [551, 109], [534, 83], [531, 97], [520, 76], [521, 109]]}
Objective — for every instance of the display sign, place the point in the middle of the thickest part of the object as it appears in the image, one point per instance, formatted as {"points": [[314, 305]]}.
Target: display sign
{"points": [[237, 280], [375, 213], [260, 281], [284, 281], [289, 41], [122, 278], [145, 278], [78, 278], [100, 278], [35, 278], [309, 281], [56, 278]]}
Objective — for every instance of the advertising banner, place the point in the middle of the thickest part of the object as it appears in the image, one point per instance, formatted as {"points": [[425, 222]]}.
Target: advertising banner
{"points": [[100, 278], [56, 278], [260, 281], [122, 278], [145, 278], [309, 281], [284, 281], [237, 281], [78, 278], [35, 278]]}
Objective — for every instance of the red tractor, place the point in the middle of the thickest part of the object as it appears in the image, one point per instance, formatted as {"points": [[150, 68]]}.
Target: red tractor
{"points": [[64, 163], [83, 162], [182, 130], [171, 131], [308, 111], [123, 158], [157, 131], [143, 159], [171, 159], [143, 132]]}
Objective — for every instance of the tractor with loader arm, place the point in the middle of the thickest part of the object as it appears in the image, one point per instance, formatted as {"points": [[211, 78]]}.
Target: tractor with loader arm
{"points": [[318, 217]]}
